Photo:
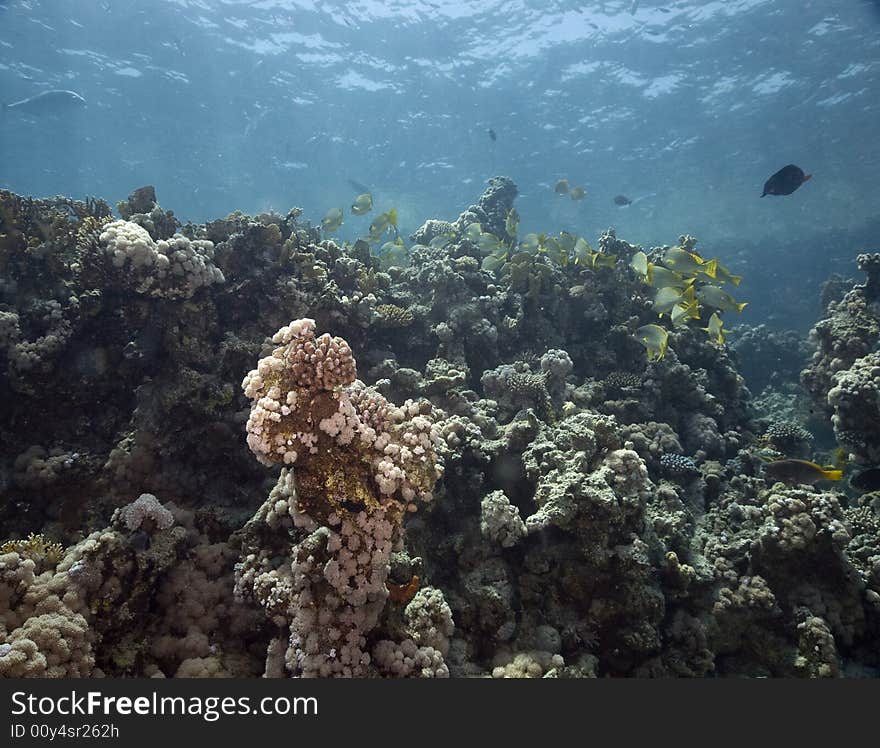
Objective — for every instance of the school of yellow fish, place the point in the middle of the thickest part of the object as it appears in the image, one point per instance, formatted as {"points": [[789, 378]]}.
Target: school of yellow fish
{"points": [[685, 284]]}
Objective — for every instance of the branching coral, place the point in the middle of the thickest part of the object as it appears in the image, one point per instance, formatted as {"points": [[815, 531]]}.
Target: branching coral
{"points": [[359, 464], [44, 554]]}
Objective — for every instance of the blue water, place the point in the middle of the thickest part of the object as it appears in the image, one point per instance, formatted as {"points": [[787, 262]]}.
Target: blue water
{"points": [[265, 104]]}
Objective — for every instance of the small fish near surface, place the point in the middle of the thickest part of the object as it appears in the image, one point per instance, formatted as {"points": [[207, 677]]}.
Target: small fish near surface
{"points": [[563, 188], [56, 101], [785, 181], [794, 472], [622, 200], [866, 481], [492, 134]]}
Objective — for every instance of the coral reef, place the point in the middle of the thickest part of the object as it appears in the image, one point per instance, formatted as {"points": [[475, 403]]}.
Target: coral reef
{"points": [[843, 376], [769, 358], [789, 439], [597, 514], [170, 268], [118, 602], [855, 400], [850, 331]]}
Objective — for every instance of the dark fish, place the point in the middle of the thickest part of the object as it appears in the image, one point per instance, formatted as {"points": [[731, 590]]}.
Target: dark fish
{"points": [[866, 481], [622, 200], [55, 101], [785, 181], [492, 134], [799, 471], [357, 186]]}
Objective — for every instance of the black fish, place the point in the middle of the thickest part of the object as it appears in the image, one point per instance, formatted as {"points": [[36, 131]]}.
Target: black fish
{"points": [[492, 134], [55, 101], [622, 200], [866, 481], [785, 181]]}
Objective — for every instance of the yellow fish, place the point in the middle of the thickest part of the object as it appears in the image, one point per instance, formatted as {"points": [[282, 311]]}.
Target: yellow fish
{"points": [[640, 265], [655, 340], [489, 243], [715, 329], [472, 232], [666, 298], [602, 260], [332, 221], [582, 251], [799, 471], [577, 193], [382, 223], [566, 241], [438, 242], [530, 243], [725, 276], [661, 277], [561, 187], [681, 313], [394, 254], [687, 263], [493, 262], [709, 268], [715, 297], [362, 204], [554, 249], [511, 223]]}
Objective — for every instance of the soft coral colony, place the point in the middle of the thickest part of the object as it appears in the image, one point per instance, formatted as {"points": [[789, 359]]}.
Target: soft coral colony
{"points": [[555, 471]]}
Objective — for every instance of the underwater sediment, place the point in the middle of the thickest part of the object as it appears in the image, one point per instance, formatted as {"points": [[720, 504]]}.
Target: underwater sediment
{"points": [[240, 449]]}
